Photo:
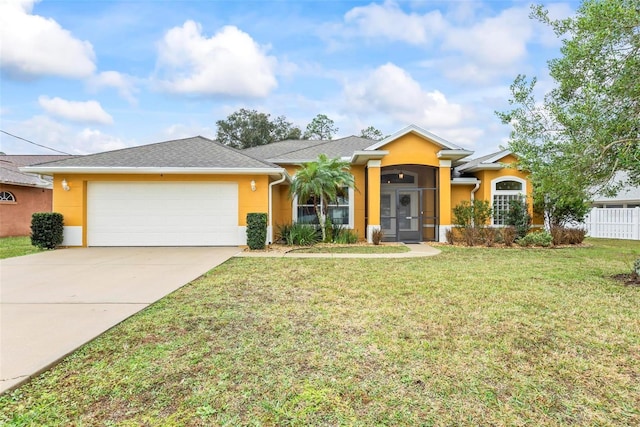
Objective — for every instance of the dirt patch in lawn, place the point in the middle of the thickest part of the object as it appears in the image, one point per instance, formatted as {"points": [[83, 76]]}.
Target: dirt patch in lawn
{"points": [[628, 279]]}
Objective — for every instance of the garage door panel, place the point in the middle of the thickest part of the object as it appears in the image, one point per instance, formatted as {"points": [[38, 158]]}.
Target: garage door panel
{"points": [[162, 214]]}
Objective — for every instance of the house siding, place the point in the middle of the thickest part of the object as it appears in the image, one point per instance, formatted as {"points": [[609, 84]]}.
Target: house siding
{"points": [[72, 204], [284, 214], [487, 176], [15, 218]]}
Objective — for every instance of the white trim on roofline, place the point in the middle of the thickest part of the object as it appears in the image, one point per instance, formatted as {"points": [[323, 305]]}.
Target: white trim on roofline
{"points": [[464, 181], [418, 130], [361, 157], [483, 167], [153, 170]]}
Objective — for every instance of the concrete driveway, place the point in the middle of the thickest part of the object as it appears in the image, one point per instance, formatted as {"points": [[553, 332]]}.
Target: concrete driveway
{"points": [[53, 302]]}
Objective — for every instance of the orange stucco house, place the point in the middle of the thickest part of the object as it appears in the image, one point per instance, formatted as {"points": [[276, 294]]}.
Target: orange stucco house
{"points": [[197, 192]]}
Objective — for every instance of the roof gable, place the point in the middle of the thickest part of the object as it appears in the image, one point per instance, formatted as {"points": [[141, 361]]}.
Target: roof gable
{"points": [[418, 131], [490, 161]]}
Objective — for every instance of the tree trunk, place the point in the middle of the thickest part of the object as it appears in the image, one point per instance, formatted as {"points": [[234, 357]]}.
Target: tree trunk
{"points": [[321, 219]]}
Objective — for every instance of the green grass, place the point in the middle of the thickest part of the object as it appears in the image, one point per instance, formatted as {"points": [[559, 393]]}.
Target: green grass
{"points": [[16, 246], [473, 336], [353, 249]]}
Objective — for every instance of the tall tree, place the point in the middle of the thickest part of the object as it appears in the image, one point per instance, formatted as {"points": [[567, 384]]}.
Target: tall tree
{"points": [[249, 128], [588, 127], [322, 181], [372, 133], [282, 129], [321, 127]]}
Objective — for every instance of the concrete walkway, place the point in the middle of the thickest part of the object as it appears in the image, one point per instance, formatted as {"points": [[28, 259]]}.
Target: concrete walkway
{"points": [[53, 302], [416, 250]]}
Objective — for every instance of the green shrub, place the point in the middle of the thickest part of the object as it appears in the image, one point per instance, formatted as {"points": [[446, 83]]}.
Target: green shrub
{"points": [[343, 236], [470, 218], [46, 229], [537, 238], [463, 215], [330, 229], [256, 230], [299, 234], [283, 231], [518, 216]]}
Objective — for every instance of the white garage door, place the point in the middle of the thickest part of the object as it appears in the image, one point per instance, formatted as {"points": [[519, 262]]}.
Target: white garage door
{"points": [[162, 214]]}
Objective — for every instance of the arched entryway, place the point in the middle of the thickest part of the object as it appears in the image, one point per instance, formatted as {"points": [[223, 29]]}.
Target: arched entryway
{"points": [[409, 203]]}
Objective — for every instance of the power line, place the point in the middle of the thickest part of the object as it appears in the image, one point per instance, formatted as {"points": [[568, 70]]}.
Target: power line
{"points": [[34, 143]]}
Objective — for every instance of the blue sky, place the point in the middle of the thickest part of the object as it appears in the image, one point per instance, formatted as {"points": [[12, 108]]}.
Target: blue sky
{"points": [[90, 76]]}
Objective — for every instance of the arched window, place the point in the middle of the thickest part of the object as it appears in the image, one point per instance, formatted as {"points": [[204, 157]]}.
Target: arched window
{"points": [[503, 191], [6, 196]]}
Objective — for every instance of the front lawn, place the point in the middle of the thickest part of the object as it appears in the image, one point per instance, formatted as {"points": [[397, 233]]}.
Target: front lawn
{"points": [[16, 246], [473, 336]]}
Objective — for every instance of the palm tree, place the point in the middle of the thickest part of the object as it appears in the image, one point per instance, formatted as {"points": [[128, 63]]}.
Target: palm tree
{"points": [[322, 181]]}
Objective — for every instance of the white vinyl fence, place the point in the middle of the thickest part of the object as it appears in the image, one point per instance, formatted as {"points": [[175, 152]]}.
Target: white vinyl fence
{"points": [[623, 223]]}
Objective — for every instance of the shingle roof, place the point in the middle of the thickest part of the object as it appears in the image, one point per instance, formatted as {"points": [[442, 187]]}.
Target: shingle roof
{"points": [[195, 152], [299, 151], [489, 159], [10, 174]]}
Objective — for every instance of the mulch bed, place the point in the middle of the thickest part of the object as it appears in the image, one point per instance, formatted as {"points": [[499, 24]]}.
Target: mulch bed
{"points": [[628, 279]]}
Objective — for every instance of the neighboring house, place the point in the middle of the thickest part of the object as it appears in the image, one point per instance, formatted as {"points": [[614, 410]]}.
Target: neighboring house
{"points": [[22, 193], [627, 197], [196, 191]]}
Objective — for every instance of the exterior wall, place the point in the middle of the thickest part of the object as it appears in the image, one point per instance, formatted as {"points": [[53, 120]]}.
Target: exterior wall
{"points": [[460, 193], [486, 176], [72, 204], [411, 149], [285, 214], [15, 217]]}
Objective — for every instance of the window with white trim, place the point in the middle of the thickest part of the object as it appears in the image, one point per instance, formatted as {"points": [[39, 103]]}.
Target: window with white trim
{"points": [[7, 196], [340, 211], [503, 191]]}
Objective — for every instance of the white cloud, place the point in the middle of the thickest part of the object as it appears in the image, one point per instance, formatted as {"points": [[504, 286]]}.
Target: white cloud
{"points": [[178, 131], [466, 137], [124, 83], [94, 141], [34, 46], [76, 111], [228, 63], [51, 133], [494, 41], [391, 90], [389, 21]]}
